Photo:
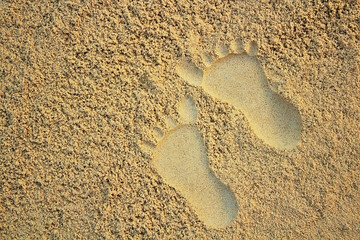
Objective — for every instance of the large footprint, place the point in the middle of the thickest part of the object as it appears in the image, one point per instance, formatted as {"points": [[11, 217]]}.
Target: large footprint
{"points": [[237, 78], [180, 157]]}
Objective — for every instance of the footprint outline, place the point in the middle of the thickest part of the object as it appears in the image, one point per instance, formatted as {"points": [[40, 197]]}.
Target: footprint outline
{"points": [[180, 158], [237, 78]]}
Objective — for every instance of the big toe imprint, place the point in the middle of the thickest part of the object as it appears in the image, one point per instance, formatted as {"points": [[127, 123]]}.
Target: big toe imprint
{"points": [[238, 79]]}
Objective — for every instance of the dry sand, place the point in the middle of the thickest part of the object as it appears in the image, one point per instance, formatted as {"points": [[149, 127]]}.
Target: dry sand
{"points": [[84, 83]]}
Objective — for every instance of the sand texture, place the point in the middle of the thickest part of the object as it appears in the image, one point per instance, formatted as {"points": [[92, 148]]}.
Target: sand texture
{"points": [[180, 119]]}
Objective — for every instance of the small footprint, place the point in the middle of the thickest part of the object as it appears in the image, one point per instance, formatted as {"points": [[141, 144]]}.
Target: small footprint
{"points": [[238, 79], [180, 157]]}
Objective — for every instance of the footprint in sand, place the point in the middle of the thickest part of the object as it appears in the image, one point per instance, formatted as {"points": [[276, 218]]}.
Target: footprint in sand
{"points": [[238, 79], [180, 158]]}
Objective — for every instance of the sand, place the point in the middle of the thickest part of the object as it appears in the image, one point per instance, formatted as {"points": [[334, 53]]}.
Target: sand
{"points": [[90, 94]]}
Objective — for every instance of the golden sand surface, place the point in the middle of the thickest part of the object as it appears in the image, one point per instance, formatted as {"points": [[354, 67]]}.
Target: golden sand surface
{"points": [[97, 141]]}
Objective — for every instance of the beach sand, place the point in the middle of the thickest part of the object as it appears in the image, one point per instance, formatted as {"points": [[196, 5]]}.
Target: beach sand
{"points": [[83, 84]]}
